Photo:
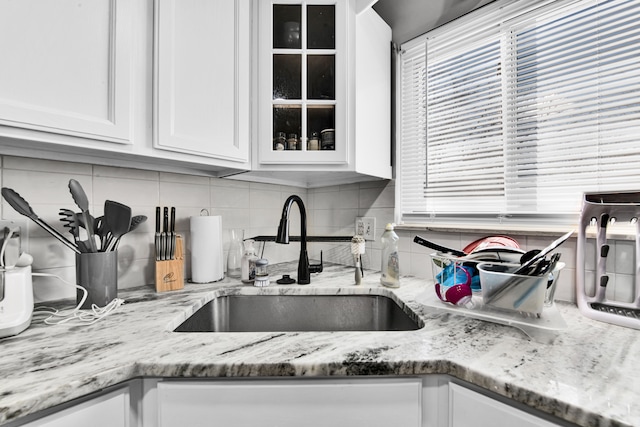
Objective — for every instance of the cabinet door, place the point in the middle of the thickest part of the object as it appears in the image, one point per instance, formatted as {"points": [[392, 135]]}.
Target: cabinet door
{"points": [[468, 408], [202, 77], [290, 403], [109, 410], [303, 73], [66, 67]]}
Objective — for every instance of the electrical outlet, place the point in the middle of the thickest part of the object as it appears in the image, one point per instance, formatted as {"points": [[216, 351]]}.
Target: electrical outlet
{"points": [[366, 227]]}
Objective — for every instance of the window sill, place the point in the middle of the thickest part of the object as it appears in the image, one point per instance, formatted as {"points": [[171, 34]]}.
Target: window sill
{"points": [[622, 232]]}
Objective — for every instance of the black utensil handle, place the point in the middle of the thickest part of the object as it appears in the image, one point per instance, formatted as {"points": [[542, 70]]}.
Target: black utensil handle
{"points": [[166, 219], [173, 219], [419, 240], [157, 219]]}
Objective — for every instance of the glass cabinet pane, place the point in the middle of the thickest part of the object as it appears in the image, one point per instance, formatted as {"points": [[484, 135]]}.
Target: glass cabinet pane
{"points": [[287, 77], [321, 125], [287, 124], [321, 79], [286, 26], [304, 78], [321, 27]]}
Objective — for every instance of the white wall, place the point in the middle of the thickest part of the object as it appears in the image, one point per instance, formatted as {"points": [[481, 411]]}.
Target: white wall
{"points": [[256, 208], [44, 184]]}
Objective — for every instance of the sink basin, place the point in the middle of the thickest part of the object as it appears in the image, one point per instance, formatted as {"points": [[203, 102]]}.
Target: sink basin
{"points": [[298, 313]]}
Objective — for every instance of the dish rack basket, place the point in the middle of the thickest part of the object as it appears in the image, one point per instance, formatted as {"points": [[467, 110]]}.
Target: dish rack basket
{"points": [[600, 209]]}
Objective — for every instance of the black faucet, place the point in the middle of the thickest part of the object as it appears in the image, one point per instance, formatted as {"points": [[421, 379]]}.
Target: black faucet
{"points": [[304, 273]]}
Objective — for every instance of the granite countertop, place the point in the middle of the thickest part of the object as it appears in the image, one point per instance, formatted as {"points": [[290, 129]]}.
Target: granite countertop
{"points": [[589, 375]]}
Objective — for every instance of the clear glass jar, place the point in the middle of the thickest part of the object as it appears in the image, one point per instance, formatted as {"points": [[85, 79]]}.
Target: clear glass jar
{"points": [[234, 255], [249, 262]]}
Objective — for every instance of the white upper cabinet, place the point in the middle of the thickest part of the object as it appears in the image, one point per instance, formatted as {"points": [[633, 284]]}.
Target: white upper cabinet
{"points": [[324, 83], [66, 67], [202, 77]]}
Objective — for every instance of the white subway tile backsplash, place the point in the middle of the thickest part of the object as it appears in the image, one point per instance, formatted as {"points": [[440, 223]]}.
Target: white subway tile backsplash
{"points": [[377, 197], [229, 197], [255, 208], [131, 192], [185, 195]]}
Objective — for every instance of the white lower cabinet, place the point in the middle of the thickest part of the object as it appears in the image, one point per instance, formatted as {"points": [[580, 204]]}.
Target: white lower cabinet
{"points": [[106, 410], [468, 408], [427, 401], [309, 403]]}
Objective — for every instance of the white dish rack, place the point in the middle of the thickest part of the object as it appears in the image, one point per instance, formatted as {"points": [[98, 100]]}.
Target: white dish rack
{"points": [[600, 210]]}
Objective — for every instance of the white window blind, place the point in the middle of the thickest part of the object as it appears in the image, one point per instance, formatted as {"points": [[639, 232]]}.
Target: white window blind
{"points": [[526, 105]]}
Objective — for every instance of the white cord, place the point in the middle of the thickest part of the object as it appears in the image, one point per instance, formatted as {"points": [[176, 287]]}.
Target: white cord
{"points": [[57, 317]]}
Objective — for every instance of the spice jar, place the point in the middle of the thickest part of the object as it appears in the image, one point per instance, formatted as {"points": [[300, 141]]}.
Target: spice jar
{"points": [[292, 142], [280, 141], [314, 142], [328, 139]]}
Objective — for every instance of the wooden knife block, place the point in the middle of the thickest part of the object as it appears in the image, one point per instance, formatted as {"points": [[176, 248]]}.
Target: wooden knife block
{"points": [[170, 273]]}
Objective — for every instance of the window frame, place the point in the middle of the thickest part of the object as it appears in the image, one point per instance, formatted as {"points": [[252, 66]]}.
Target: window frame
{"points": [[479, 22]]}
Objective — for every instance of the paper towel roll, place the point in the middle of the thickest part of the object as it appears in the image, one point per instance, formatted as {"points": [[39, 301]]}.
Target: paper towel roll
{"points": [[206, 249]]}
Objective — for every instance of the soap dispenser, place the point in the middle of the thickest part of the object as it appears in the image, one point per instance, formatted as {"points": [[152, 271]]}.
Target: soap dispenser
{"points": [[390, 263]]}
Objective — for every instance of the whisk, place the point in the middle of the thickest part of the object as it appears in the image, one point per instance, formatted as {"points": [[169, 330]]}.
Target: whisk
{"points": [[357, 249]]}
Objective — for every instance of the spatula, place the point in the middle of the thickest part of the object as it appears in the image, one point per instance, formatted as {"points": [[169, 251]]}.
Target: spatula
{"points": [[80, 197], [117, 219]]}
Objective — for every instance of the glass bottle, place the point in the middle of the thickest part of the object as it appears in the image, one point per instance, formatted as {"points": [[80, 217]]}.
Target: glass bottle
{"points": [[234, 256], [249, 262], [390, 263]]}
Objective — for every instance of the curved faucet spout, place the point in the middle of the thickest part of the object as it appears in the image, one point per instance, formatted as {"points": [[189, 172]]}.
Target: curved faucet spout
{"points": [[304, 276]]}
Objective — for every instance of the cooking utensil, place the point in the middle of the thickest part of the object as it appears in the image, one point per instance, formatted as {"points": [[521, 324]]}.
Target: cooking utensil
{"points": [[135, 222], [443, 249], [164, 252], [543, 253], [100, 229], [158, 239], [80, 197], [172, 231], [117, 219], [22, 207], [70, 220]]}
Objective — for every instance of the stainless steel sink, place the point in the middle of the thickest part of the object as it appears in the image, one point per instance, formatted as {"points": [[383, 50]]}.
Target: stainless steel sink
{"points": [[289, 313]]}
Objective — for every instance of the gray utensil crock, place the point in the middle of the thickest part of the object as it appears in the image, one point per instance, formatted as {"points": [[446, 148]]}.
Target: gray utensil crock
{"points": [[97, 272]]}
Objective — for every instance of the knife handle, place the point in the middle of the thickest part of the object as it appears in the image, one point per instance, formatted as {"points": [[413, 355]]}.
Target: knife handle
{"points": [[158, 242]]}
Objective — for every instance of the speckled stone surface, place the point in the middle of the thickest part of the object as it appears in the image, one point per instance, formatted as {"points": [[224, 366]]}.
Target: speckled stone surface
{"points": [[589, 375]]}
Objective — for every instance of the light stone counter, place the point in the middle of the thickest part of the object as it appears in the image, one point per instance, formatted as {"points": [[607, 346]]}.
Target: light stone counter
{"points": [[589, 375]]}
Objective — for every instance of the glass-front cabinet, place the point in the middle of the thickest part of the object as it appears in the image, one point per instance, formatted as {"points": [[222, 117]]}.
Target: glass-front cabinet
{"points": [[302, 87]]}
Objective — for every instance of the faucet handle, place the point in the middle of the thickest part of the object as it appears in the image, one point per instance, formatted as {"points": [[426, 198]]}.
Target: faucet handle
{"points": [[316, 268]]}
